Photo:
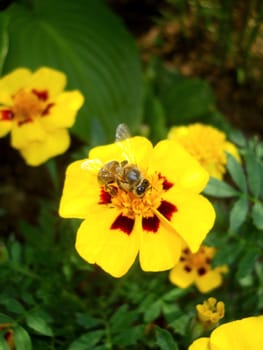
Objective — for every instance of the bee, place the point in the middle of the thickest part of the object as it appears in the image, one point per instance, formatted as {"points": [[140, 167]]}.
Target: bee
{"points": [[126, 176]]}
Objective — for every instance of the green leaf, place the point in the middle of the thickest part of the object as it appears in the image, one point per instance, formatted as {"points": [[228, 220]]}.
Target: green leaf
{"points": [[3, 343], [22, 338], [12, 305], [88, 42], [186, 99], [257, 215], [219, 189], [238, 138], [253, 173], [122, 318], [165, 340], [3, 39], [37, 322], [87, 340], [129, 336], [246, 262], [5, 319], [237, 173], [238, 214], [153, 311]]}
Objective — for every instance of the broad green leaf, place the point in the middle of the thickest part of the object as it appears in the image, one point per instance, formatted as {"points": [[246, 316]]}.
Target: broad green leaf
{"points": [[89, 43], [87, 340], [237, 173], [257, 215], [165, 340], [186, 99], [253, 173], [38, 323], [22, 338], [3, 39], [238, 214], [219, 189]]}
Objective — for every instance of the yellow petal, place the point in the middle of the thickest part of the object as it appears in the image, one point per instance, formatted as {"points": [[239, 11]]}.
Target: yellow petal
{"points": [[23, 135], [245, 334], [209, 281], [48, 79], [231, 148], [113, 250], [180, 277], [11, 83], [64, 111], [55, 143], [201, 344], [194, 218], [178, 166], [161, 250], [136, 149], [80, 193], [5, 127]]}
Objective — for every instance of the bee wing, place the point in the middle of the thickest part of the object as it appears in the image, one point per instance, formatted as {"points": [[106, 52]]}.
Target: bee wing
{"points": [[122, 138], [93, 165]]}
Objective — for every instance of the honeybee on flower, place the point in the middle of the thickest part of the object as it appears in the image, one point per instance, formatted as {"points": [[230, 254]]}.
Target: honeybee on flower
{"points": [[134, 200]]}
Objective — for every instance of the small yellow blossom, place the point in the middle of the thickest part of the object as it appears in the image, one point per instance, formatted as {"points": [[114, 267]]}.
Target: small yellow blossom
{"points": [[210, 312], [244, 334], [207, 144], [118, 224], [195, 268], [37, 111]]}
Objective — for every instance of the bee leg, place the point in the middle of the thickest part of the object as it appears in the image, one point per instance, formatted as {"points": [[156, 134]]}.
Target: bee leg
{"points": [[111, 189]]}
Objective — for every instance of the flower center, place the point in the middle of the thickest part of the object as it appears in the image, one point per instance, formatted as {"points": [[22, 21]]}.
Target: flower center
{"points": [[131, 205], [26, 106], [200, 261], [151, 207]]}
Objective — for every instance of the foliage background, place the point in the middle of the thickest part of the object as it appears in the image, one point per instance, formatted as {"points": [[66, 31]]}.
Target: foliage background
{"points": [[150, 64]]}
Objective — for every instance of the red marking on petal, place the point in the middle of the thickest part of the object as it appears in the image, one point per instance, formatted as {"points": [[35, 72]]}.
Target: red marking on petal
{"points": [[167, 209], [42, 95], [151, 224], [201, 271], [7, 114], [24, 121], [47, 109], [123, 223], [166, 184], [187, 268], [105, 197]]}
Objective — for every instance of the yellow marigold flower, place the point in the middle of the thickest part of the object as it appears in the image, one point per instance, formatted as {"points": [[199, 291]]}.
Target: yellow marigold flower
{"points": [[37, 111], [195, 268], [207, 144], [119, 223], [245, 334]]}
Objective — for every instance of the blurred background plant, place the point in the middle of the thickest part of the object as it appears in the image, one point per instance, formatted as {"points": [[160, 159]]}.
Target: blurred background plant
{"points": [[153, 65]]}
